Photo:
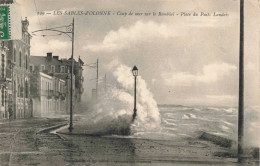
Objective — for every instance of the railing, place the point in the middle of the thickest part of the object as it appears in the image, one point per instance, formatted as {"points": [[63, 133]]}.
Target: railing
{"points": [[50, 93]]}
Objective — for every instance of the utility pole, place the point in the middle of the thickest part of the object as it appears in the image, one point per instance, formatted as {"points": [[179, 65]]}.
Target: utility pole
{"points": [[71, 80], [69, 30], [97, 82], [241, 86]]}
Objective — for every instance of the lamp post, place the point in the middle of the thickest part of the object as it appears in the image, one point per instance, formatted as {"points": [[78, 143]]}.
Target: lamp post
{"points": [[241, 86], [71, 81], [135, 73]]}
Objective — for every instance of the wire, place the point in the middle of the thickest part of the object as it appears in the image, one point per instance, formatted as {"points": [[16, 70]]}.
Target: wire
{"points": [[46, 35], [92, 63], [60, 27], [89, 65], [54, 29]]}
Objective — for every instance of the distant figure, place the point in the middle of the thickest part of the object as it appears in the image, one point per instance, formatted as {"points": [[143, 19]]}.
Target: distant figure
{"points": [[10, 112], [31, 107]]}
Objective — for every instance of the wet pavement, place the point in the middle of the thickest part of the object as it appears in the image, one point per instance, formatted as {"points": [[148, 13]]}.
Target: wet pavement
{"points": [[22, 144]]}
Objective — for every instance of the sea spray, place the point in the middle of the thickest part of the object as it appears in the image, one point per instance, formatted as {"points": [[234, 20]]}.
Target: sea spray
{"points": [[252, 126], [114, 108], [148, 116]]}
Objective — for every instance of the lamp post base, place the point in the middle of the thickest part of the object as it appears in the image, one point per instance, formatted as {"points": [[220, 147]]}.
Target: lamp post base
{"points": [[70, 128], [134, 115]]}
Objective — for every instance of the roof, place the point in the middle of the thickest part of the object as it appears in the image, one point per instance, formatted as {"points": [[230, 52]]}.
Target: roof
{"points": [[46, 75], [41, 60], [37, 60]]}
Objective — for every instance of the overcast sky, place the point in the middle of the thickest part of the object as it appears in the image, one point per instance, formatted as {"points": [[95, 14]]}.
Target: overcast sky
{"points": [[184, 60]]}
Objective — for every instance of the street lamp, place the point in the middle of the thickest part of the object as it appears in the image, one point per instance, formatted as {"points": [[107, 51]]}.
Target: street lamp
{"points": [[135, 73], [240, 140]]}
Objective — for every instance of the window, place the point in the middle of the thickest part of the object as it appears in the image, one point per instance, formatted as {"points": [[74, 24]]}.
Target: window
{"points": [[31, 68], [14, 56], [42, 67], [26, 62], [62, 88], [62, 69], [20, 59], [52, 68], [3, 96], [14, 87], [19, 91], [42, 86], [3, 66], [26, 89]]}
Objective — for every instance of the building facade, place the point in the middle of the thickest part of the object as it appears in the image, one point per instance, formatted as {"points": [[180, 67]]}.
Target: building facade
{"points": [[18, 64], [48, 95]]}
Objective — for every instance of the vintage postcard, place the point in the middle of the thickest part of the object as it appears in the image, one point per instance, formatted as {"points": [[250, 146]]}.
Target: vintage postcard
{"points": [[129, 82]]}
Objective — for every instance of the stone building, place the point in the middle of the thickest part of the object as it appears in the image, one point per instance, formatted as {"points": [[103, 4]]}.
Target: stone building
{"points": [[15, 72], [15, 53], [60, 68]]}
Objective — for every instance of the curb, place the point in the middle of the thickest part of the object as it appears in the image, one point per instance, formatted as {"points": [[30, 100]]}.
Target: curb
{"points": [[46, 130], [81, 134]]}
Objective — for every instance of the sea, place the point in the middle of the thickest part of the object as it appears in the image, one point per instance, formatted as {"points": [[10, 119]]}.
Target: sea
{"points": [[178, 122]]}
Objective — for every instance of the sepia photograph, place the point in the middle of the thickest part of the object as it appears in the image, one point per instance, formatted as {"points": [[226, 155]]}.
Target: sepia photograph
{"points": [[129, 82]]}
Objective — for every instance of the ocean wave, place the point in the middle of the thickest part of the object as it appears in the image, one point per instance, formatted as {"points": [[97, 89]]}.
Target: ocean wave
{"points": [[185, 135], [168, 134], [153, 135], [191, 125], [214, 108], [189, 116], [170, 115], [225, 128], [169, 122], [229, 110], [222, 109], [172, 129], [228, 123], [196, 109], [219, 134], [207, 119]]}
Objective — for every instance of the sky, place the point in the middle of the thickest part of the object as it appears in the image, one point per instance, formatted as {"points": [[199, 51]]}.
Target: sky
{"points": [[183, 59]]}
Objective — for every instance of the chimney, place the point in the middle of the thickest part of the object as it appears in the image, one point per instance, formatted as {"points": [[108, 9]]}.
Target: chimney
{"points": [[49, 56], [56, 57]]}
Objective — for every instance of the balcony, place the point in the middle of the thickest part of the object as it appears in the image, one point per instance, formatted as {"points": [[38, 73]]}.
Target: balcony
{"points": [[62, 96], [50, 93]]}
